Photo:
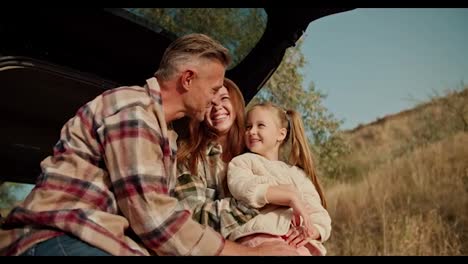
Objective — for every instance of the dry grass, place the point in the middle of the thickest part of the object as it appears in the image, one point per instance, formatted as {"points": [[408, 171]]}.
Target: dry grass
{"points": [[395, 135], [404, 187], [416, 204]]}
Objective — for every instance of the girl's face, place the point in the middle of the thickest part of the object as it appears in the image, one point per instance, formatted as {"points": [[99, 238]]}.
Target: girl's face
{"points": [[222, 115], [263, 133]]}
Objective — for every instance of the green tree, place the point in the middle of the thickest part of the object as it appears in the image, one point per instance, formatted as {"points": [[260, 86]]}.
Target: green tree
{"points": [[5, 196], [454, 101], [285, 88], [7, 199], [444, 115], [238, 29]]}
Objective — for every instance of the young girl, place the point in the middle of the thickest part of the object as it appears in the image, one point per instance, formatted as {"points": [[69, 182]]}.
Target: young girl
{"points": [[263, 181]]}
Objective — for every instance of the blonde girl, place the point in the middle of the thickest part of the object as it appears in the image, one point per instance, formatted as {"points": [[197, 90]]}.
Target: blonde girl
{"points": [[287, 193]]}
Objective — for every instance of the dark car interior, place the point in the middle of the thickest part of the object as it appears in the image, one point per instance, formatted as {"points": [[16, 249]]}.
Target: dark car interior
{"points": [[54, 61]]}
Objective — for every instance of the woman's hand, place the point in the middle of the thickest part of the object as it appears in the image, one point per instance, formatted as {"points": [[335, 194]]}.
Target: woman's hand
{"points": [[297, 236], [301, 231], [301, 212], [287, 195]]}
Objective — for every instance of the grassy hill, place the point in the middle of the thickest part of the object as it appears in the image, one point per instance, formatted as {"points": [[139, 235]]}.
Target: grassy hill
{"points": [[404, 186]]}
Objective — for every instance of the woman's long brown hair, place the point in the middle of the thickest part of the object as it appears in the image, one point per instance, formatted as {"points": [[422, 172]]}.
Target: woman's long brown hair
{"points": [[193, 147]]}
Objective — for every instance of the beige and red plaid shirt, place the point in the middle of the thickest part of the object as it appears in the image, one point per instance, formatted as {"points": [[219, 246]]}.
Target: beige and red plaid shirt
{"points": [[108, 183]]}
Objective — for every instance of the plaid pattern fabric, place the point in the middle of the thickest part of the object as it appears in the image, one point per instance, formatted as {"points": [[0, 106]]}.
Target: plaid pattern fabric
{"points": [[207, 196], [108, 183]]}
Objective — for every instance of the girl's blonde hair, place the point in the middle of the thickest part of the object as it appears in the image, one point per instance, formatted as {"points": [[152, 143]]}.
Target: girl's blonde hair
{"points": [[300, 154], [192, 148]]}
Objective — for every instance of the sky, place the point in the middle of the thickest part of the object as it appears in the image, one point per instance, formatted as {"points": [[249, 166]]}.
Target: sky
{"points": [[375, 62]]}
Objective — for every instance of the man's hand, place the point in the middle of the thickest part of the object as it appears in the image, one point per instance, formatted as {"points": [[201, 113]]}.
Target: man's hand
{"points": [[276, 249], [265, 249]]}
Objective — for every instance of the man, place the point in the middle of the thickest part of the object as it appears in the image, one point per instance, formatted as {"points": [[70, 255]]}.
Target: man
{"points": [[105, 190]]}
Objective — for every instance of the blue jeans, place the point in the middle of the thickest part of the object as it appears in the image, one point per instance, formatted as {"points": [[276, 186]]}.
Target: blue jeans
{"points": [[64, 245]]}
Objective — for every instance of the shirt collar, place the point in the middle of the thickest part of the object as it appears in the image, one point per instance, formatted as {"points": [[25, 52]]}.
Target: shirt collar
{"points": [[214, 148]]}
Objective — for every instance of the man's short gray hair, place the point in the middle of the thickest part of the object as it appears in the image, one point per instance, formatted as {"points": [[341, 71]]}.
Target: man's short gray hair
{"points": [[190, 48]]}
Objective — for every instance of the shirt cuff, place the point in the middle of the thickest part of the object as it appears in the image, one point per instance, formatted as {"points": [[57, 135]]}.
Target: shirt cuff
{"points": [[210, 242], [260, 195], [323, 235]]}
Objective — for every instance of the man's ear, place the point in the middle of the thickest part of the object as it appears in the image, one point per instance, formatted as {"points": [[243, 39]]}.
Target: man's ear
{"points": [[283, 133], [186, 79]]}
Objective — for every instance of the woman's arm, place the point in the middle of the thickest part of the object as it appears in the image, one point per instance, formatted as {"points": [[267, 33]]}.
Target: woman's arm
{"points": [[208, 207]]}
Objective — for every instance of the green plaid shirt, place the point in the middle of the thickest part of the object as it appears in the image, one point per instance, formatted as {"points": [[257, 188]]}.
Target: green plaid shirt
{"points": [[207, 196]]}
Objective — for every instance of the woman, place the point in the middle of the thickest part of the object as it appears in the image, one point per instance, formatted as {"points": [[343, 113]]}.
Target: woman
{"points": [[202, 160]]}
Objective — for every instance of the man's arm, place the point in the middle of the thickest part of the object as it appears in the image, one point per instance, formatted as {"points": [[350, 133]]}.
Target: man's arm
{"points": [[132, 143]]}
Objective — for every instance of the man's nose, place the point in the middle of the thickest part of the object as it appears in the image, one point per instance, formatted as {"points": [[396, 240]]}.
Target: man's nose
{"points": [[216, 101]]}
